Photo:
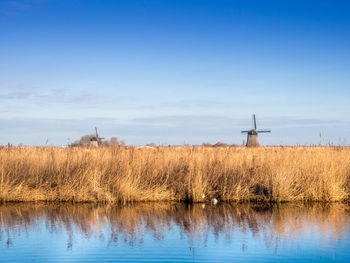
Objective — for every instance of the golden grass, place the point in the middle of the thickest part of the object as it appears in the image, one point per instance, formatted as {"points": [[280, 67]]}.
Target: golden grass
{"points": [[123, 174]]}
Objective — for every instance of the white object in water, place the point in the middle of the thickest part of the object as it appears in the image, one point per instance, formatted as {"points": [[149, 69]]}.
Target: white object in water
{"points": [[214, 201]]}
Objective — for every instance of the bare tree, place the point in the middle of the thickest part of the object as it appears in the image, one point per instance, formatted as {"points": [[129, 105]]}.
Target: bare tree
{"points": [[113, 141], [85, 140]]}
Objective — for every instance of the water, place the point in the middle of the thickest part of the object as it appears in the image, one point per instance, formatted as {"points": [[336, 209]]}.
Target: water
{"points": [[160, 232]]}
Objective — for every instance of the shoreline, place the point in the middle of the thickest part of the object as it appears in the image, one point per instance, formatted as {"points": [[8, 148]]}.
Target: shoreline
{"points": [[234, 202]]}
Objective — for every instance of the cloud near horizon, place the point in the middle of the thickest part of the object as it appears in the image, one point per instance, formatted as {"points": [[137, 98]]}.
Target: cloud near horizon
{"points": [[167, 130]]}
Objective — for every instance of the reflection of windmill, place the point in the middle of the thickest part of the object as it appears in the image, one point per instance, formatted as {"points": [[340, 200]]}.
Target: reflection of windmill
{"points": [[252, 137], [96, 140]]}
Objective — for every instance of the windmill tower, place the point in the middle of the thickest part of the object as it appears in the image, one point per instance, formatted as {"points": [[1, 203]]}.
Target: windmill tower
{"points": [[252, 135], [96, 140]]}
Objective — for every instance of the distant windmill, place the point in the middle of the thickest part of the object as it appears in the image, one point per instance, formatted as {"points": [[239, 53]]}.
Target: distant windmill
{"points": [[96, 140], [252, 137]]}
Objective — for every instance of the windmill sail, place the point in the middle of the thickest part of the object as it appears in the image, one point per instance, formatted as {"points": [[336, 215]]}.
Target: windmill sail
{"points": [[264, 131], [252, 135], [97, 136], [96, 140]]}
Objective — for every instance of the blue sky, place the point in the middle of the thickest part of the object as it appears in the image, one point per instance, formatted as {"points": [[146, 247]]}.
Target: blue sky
{"points": [[172, 71]]}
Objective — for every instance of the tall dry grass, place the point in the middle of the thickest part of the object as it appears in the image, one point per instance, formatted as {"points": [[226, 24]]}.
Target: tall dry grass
{"points": [[175, 174]]}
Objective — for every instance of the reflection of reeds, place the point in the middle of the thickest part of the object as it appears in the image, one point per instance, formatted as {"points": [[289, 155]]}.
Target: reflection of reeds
{"points": [[129, 223], [174, 173]]}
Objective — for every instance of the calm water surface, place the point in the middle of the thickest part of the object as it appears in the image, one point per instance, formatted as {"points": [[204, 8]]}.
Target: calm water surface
{"points": [[174, 233]]}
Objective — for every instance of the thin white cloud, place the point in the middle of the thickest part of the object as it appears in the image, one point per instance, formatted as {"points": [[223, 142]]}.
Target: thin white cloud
{"points": [[60, 96], [18, 5], [168, 129]]}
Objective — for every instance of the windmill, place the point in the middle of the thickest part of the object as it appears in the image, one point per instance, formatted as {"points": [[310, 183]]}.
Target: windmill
{"points": [[96, 140], [252, 135]]}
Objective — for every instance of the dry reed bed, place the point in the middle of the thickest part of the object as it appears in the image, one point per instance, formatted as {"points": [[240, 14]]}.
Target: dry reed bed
{"points": [[123, 174]]}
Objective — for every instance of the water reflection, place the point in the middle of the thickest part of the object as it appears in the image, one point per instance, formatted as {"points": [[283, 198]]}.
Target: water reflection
{"points": [[196, 224]]}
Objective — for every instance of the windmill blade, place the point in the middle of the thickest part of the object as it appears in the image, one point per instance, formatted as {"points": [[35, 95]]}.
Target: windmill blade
{"points": [[96, 132], [243, 132], [254, 120], [264, 131]]}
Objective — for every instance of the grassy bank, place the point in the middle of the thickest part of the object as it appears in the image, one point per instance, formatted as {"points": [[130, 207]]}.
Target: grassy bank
{"points": [[174, 173]]}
